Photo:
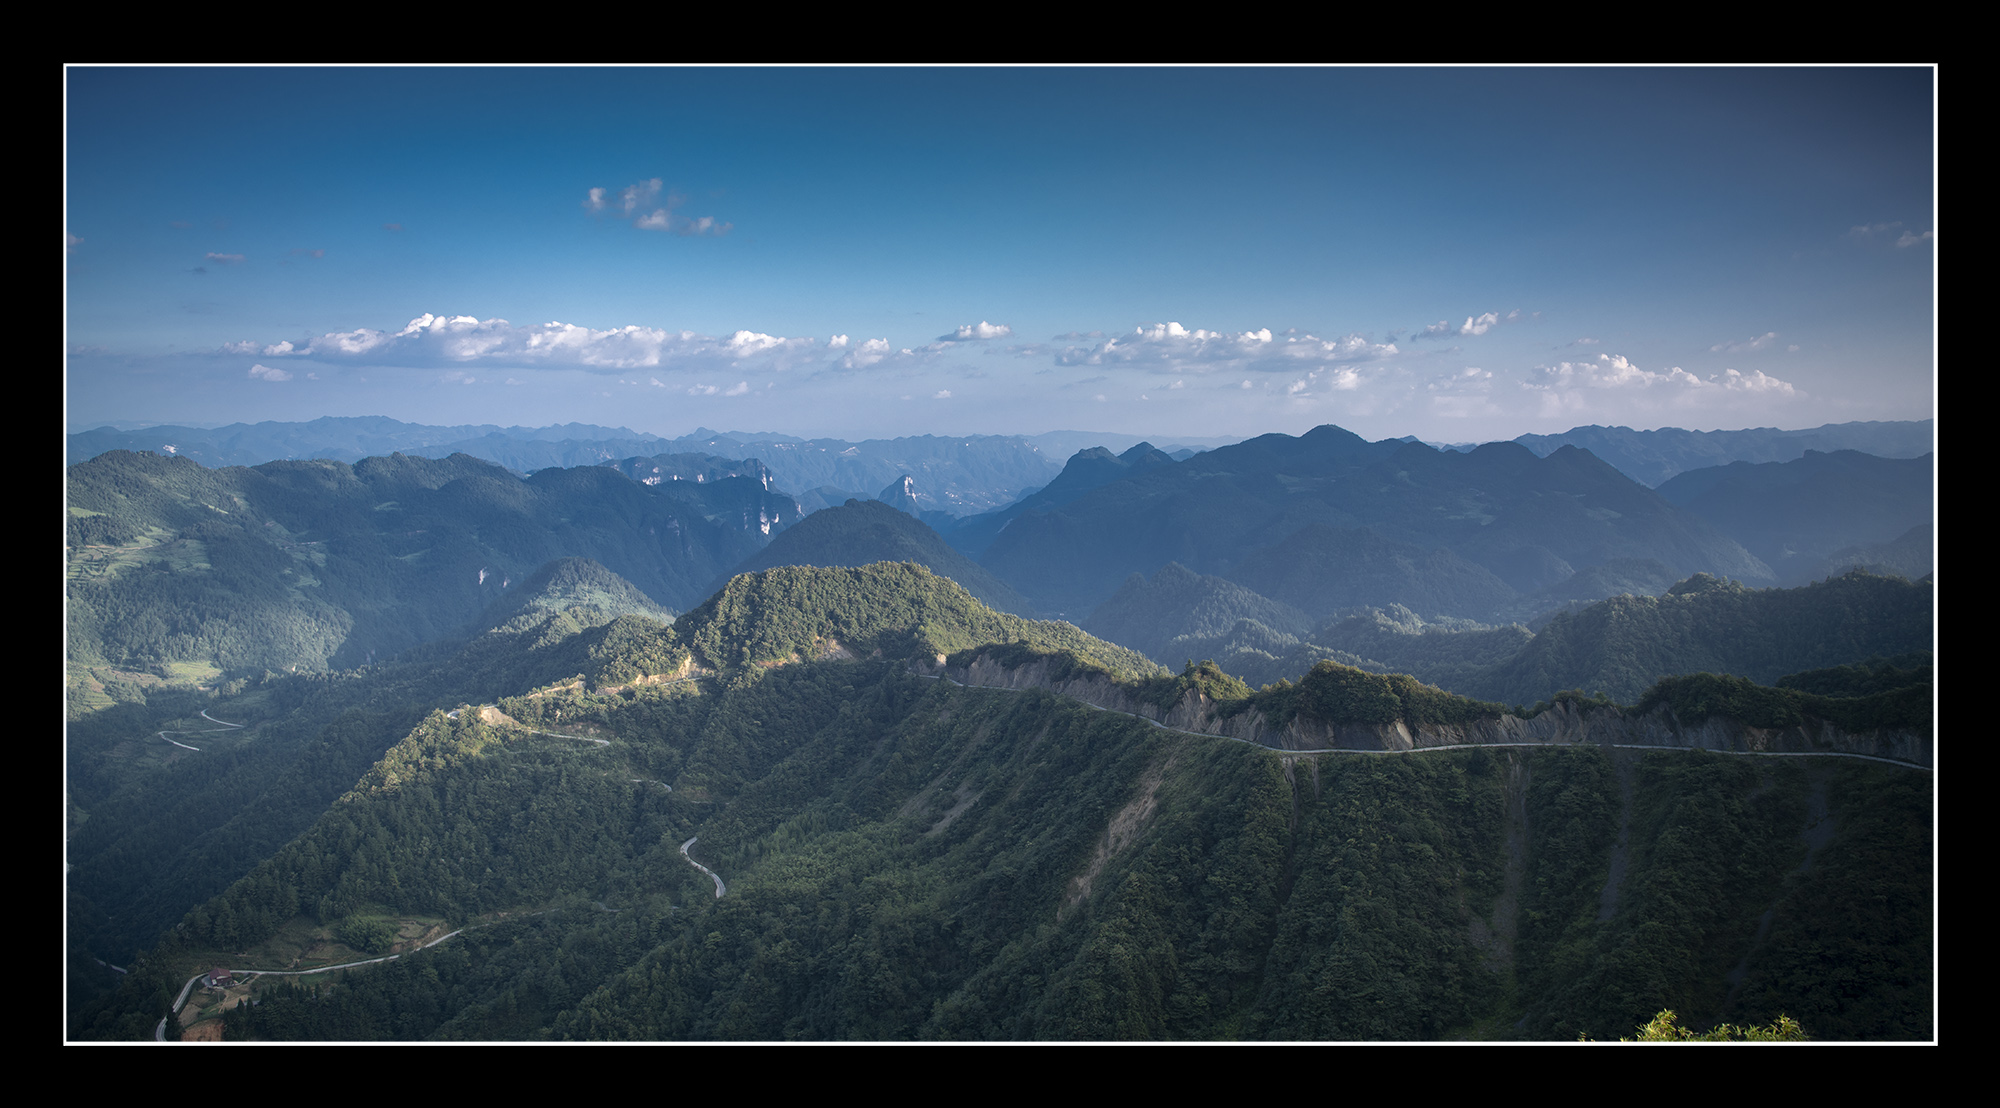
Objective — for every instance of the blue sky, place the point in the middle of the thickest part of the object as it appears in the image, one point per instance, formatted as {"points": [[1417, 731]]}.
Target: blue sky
{"points": [[1461, 255]]}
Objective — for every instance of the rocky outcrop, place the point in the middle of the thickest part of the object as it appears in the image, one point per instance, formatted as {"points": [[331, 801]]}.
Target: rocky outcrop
{"points": [[1564, 724]]}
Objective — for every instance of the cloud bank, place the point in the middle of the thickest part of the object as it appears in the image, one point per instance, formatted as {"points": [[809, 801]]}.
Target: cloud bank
{"points": [[1172, 348]]}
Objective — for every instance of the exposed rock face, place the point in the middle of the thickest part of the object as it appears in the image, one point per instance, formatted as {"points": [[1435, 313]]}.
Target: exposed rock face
{"points": [[901, 495], [1560, 725]]}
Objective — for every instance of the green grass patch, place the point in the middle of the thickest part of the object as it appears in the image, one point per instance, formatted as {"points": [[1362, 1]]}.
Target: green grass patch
{"points": [[190, 673], [156, 546]]}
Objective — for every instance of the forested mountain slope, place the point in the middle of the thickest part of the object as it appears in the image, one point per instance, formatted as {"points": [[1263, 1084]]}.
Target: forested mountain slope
{"points": [[862, 532], [173, 798], [1621, 646], [316, 565], [909, 858], [1618, 647]]}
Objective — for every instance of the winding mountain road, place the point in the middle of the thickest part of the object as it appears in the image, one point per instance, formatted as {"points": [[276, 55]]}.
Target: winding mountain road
{"points": [[720, 888], [226, 726], [160, 1030]]}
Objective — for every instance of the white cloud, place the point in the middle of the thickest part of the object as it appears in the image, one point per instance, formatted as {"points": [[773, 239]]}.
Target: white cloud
{"points": [[247, 346], [1754, 381], [941, 394], [1471, 379], [349, 342], [1609, 371], [1878, 232], [1171, 348], [1480, 324], [70, 242], [1615, 371], [976, 332], [266, 373], [1737, 346], [438, 340], [1475, 325], [648, 211], [750, 344], [865, 355], [223, 259], [737, 389]]}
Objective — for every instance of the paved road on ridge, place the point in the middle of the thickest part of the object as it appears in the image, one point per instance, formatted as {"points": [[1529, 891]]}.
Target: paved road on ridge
{"points": [[1455, 746]]}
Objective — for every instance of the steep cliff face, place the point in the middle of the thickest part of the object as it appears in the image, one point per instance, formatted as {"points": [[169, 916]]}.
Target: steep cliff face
{"points": [[1563, 724]]}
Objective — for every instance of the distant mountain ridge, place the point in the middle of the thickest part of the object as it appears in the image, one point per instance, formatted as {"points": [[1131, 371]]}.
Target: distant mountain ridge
{"points": [[981, 473], [1528, 522], [1652, 457], [1086, 470], [960, 475], [1795, 515]]}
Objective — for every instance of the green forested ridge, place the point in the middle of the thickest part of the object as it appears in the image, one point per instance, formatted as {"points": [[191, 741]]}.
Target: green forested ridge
{"points": [[911, 859], [935, 862], [863, 532], [1619, 647], [897, 609], [1700, 696], [1623, 645]]}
